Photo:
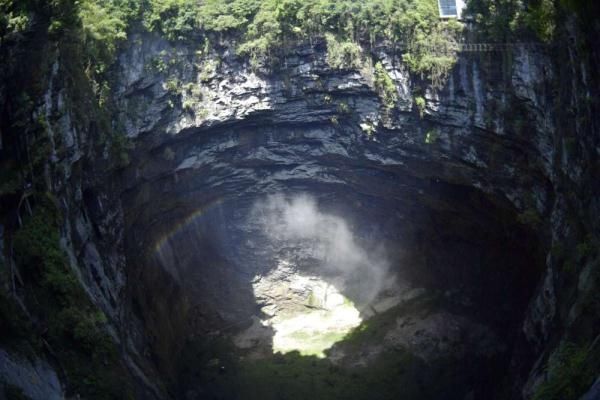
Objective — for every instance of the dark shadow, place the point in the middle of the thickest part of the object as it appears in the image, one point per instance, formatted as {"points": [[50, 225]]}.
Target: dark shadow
{"points": [[193, 259], [214, 369]]}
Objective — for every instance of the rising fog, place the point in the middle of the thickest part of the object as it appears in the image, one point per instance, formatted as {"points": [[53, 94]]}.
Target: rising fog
{"points": [[328, 245]]}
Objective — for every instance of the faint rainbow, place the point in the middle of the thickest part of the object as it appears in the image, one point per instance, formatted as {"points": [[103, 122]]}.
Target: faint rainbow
{"points": [[189, 219]]}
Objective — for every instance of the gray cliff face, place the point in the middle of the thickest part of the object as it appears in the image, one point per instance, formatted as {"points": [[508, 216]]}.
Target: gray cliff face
{"points": [[213, 137], [442, 190], [466, 197]]}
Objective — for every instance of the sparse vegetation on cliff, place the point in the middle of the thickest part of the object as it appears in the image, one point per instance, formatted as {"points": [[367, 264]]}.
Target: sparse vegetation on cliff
{"points": [[570, 371], [264, 29], [62, 320]]}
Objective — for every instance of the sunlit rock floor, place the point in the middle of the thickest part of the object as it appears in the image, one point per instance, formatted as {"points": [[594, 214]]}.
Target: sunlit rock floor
{"points": [[307, 314]]}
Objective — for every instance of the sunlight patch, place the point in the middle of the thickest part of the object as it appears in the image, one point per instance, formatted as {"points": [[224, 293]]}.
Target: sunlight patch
{"points": [[306, 313]]}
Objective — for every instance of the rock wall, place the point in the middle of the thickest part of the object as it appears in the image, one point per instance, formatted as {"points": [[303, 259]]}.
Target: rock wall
{"points": [[503, 159]]}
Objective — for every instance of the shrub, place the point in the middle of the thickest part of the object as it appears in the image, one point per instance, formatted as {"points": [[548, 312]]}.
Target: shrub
{"points": [[540, 18], [431, 136], [385, 87], [343, 108], [530, 217], [342, 54], [568, 374], [420, 103], [585, 249], [75, 327]]}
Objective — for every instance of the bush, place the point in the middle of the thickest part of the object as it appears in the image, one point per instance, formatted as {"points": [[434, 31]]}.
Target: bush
{"points": [[585, 249], [530, 217], [568, 374], [14, 17], [540, 18], [431, 136], [385, 87], [342, 54], [75, 327], [420, 103], [267, 26]]}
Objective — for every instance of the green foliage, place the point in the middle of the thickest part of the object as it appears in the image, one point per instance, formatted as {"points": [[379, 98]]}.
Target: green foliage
{"points": [[569, 374], [343, 108], [173, 85], [267, 26], [530, 217], [420, 103], [519, 20], [264, 33], [175, 19], [385, 87], [223, 371], [496, 19], [208, 70], [104, 26], [312, 300], [75, 328], [540, 18], [368, 128], [431, 136], [586, 249], [10, 180], [343, 54], [14, 17], [220, 16], [304, 377]]}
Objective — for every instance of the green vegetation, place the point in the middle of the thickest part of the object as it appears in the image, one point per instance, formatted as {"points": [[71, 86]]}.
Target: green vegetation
{"points": [[343, 54], [223, 371], [267, 28], [67, 323], [570, 372], [343, 108], [530, 217], [175, 19], [368, 128], [10, 180], [394, 375], [431, 136], [520, 20], [541, 19], [104, 25], [586, 249], [14, 17], [385, 87], [420, 103]]}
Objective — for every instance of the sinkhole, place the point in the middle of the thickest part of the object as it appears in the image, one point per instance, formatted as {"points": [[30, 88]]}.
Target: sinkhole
{"points": [[263, 283]]}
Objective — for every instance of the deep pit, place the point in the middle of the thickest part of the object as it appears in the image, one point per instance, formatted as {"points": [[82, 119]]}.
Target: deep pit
{"points": [[321, 274], [294, 199]]}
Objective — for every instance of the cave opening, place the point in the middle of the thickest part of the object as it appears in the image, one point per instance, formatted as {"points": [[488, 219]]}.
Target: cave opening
{"points": [[321, 277]]}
